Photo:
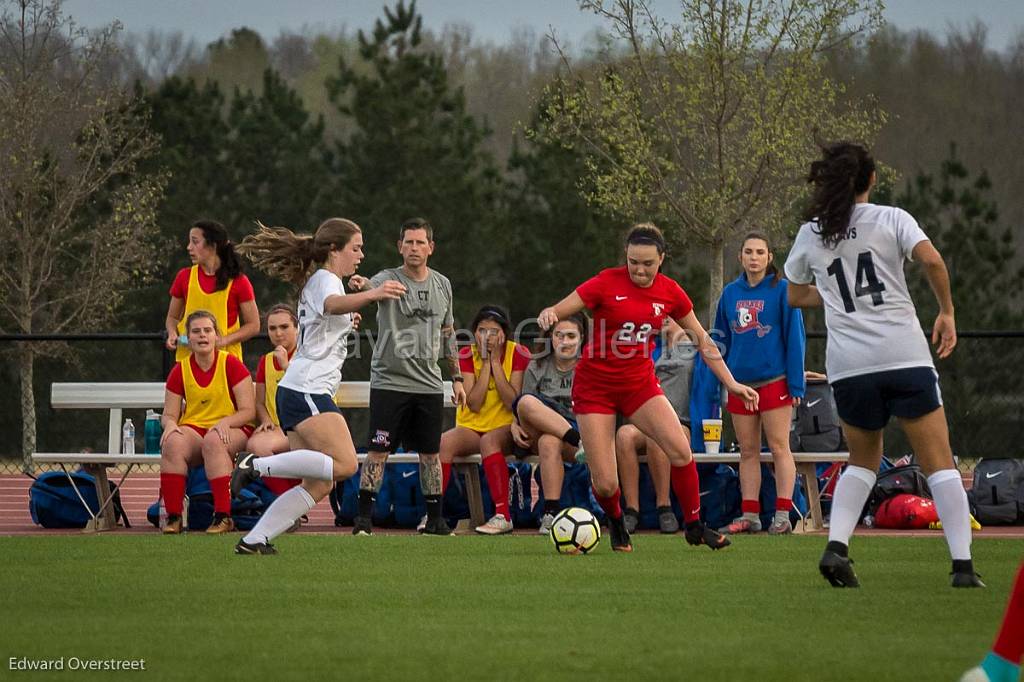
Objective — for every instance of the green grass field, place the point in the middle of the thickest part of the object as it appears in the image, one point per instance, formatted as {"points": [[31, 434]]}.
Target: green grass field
{"points": [[407, 607]]}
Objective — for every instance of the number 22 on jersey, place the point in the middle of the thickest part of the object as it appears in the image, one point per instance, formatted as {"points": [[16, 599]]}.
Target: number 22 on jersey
{"points": [[630, 334], [865, 282]]}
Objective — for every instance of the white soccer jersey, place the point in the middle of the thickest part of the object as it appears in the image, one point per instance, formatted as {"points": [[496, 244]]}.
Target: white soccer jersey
{"points": [[871, 320], [316, 365]]}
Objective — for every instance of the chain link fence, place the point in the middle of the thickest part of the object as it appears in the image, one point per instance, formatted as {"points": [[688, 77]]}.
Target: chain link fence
{"points": [[982, 387]]}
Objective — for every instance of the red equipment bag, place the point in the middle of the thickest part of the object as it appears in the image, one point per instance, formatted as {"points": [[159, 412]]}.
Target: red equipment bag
{"points": [[906, 511]]}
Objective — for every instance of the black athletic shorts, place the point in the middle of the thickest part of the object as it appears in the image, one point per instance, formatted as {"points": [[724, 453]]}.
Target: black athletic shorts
{"points": [[295, 407], [412, 421], [868, 401]]}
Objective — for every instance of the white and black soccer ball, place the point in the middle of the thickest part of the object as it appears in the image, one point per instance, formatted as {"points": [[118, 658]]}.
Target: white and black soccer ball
{"points": [[575, 531]]}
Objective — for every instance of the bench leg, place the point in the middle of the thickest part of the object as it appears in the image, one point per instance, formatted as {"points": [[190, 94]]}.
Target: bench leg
{"points": [[473, 493], [105, 520], [813, 494]]}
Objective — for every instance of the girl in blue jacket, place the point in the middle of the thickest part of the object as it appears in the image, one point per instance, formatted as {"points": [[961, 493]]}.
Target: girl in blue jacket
{"points": [[763, 342]]}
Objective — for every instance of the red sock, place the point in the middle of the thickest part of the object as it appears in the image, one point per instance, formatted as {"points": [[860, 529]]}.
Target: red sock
{"points": [[278, 485], [446, 473], [496, 472], [172, 490], [686, 486], [751, 506], [610, 504], [1010, 640], [221, 488], [783, 504]]}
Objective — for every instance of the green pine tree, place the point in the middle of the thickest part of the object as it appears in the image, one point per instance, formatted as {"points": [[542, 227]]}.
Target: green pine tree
{"points": [[415, 151]]}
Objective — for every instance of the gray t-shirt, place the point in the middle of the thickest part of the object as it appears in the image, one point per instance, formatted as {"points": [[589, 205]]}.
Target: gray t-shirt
{"points": [[543, 376], [408, 343], [674, 370]]}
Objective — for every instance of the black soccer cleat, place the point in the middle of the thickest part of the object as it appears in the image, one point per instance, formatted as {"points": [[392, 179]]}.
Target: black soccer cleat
{"points": [[362, 526], [620, 536], [838, 570], [436, 526], [243, 474], [258, 548], [971, 579], [698, 533]]}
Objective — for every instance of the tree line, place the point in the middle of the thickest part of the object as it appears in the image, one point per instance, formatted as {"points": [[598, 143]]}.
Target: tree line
{"points": [[516, 153]]}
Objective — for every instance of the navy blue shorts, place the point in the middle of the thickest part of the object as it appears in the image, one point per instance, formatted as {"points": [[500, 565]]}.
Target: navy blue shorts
{"points": [[294, 407], [868, 401], [549, 403]]}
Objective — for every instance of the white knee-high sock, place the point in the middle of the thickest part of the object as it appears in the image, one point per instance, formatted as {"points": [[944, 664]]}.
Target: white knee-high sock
{"points": [[951, 502], [296, 464], [281, 515], [851, 494]]}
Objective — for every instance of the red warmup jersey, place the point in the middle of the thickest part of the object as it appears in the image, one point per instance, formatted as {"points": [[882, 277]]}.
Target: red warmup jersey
{"points": [[234, 368], [626, 320], [241, 290]]}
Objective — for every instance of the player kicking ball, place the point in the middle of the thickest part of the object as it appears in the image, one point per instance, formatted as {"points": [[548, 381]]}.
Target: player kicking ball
{"points": [[630, 305]]}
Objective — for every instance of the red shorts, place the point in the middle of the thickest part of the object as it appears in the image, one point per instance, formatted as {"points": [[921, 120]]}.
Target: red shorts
{"points": [[591, 394], [771, 396], [247, 429]]}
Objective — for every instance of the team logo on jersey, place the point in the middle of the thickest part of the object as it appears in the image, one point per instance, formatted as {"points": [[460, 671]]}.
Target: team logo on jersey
{"points": [[746, 318], [658, 309]]}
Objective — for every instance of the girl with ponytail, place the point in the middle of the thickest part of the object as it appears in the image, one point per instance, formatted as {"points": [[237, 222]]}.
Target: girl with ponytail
{"points": [[214, 283], [321, 445], [849, 258]]}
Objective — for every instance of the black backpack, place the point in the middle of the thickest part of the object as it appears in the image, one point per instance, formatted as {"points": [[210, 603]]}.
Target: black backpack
{"points": [[815, 426], [997, 494], [906, 479]]}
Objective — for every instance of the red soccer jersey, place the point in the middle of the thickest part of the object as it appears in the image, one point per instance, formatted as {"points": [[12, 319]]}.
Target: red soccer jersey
{"points": [[626, 320]]}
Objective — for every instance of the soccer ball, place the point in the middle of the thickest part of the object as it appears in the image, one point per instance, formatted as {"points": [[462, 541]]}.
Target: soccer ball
{"points": [[575, 531]]}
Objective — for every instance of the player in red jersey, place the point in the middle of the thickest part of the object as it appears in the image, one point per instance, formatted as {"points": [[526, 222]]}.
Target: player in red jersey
{"points": [[616, 376]]}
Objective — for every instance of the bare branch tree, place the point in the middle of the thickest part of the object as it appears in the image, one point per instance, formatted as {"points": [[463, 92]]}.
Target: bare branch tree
{"points": [[74, 213]]}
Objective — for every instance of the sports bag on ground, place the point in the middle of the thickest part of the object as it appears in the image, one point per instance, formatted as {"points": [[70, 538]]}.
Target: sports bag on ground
{"points": [[53, 503], [815, 426], [905, 511], [997, 493], [908, 479]]}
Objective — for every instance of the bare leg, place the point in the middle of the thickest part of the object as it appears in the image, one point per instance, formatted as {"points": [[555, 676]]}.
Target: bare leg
{"points": [[628, 443], [661, 472], [748, 432]]}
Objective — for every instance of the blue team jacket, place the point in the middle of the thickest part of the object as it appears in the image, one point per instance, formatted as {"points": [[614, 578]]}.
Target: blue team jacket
{"points": [[762, 335]]}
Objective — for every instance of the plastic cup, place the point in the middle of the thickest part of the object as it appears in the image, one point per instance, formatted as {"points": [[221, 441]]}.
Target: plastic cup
{"points": [[712, 435]]}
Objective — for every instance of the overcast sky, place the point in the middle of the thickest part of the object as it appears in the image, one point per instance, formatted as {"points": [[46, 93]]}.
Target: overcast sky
{"points": [[491, 20]]}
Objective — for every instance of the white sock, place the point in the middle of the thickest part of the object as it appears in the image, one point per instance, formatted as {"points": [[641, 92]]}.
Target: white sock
{"points": [[851, 494], [951, 503], [296, 464], [281, 515]]}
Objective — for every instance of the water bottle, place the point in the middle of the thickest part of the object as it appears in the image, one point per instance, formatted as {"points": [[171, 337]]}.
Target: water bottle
{"points": [[183, 340], [153, 432], [128, 438]]}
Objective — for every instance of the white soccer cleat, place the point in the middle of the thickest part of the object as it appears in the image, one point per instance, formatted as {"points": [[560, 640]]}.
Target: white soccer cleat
{"points": [[497, 525]]}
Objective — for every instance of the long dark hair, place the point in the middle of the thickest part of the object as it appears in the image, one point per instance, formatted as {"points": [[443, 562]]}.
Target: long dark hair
{"points": [[843, 172], [771, 269], [230, 265]]}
